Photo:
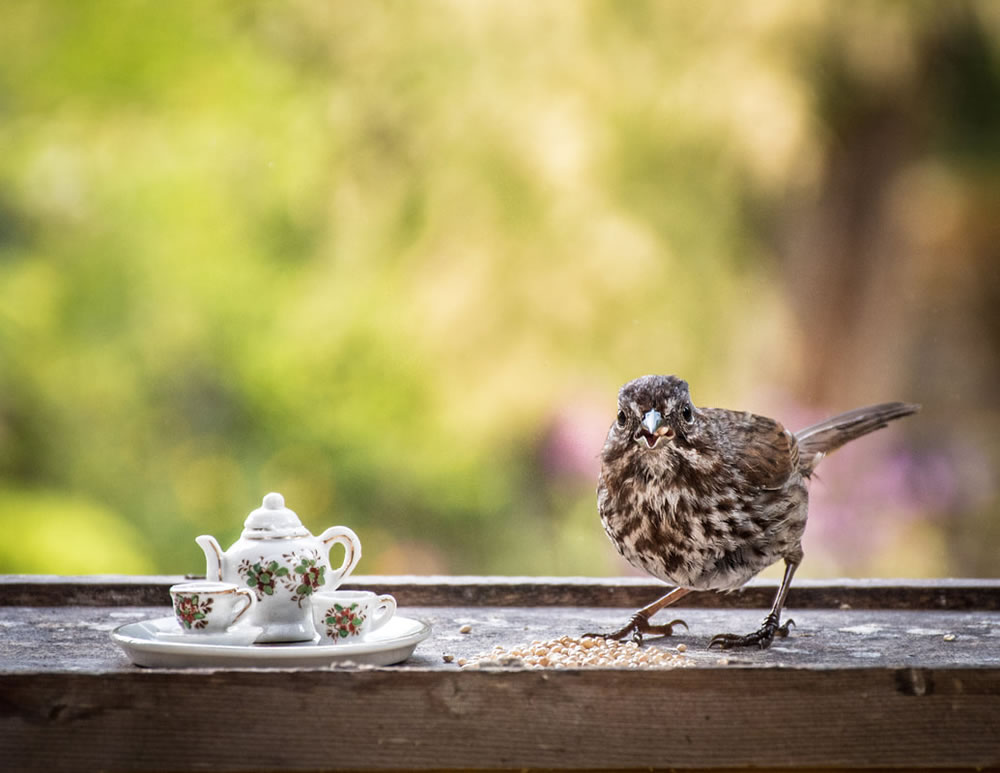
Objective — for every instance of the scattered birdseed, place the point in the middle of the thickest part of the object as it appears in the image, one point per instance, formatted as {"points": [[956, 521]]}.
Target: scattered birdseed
{"points": [[568, 652], [465, 629], [949, 637], [447, 658], [682, 648]]}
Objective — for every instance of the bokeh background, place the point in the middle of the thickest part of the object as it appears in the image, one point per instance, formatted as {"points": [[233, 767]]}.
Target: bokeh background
{"points": [[395, 259]]}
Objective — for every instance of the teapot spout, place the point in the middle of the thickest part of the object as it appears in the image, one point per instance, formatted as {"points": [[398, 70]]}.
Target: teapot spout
{"points": [[213, 556]]}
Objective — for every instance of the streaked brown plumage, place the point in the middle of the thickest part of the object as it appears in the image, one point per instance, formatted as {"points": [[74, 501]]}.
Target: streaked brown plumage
{"points": [[706, 498]]}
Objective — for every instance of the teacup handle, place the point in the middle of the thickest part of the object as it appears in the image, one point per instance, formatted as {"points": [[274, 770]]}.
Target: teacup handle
{"points": [[251, 600], [384, 611], [352, 552]]}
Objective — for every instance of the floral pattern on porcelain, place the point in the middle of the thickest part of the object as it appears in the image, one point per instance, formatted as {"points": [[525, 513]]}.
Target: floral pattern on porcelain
{"points": [[192, 612], [343, 621], [299, 573]]}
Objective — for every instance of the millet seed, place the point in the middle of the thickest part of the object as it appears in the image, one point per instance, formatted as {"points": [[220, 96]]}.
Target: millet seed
{"points": [[591, 652]]}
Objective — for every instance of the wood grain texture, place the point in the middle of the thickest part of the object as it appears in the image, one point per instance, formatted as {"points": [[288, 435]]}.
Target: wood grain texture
{"points": [[76, 639], [381, 719], [853, 687], [953, 594]]}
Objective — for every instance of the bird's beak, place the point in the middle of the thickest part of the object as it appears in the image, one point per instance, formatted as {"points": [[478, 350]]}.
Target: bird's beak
{"points": [[652, 421], [653, 428]]}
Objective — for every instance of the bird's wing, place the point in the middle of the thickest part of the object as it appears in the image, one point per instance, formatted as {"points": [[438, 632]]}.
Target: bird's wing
{"points": [[761, 449]]}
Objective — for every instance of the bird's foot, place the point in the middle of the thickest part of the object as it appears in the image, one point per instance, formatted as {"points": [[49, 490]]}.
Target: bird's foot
{"points": [[762, 637], [638, 625]]}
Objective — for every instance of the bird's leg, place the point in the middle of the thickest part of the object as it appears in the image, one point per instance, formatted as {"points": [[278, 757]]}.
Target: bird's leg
{"points": [[639, 623], [770, 628]]}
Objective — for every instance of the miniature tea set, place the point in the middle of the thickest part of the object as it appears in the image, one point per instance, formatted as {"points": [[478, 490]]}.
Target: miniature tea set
{"points": [[272, 600]]}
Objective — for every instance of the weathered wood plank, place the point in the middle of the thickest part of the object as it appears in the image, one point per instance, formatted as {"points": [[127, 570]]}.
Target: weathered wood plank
{"points": [[953, 594], [875, 674], [74, 639], [322, 720]]}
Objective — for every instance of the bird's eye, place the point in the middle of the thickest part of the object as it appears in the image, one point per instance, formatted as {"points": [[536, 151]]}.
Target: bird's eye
{"points": [[622, 418], [687, 413]]}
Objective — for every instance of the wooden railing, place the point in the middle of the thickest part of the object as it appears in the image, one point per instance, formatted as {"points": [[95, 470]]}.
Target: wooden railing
{"points": [[876, 674]]}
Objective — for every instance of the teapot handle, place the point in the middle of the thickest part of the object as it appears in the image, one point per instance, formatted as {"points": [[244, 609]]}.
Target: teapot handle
{"points": [[352, 552]]}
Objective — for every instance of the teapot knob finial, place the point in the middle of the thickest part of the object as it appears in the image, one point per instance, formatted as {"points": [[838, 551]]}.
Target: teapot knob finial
{"points": [[273, 519]]}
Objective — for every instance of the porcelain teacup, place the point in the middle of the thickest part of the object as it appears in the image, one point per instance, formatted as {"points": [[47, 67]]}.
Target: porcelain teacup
{"points": [[209, 607], [346, 616]]}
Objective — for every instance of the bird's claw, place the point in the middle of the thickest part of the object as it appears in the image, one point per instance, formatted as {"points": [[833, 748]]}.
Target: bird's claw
{"points": [[638, 625], [762, 637]]}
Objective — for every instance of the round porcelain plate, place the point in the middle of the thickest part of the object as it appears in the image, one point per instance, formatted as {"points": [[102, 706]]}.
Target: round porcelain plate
{"points": [[155, 644], [238, 635]]}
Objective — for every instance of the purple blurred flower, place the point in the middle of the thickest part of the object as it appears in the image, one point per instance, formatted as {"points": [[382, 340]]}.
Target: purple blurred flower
{"points": [[572, 440]]}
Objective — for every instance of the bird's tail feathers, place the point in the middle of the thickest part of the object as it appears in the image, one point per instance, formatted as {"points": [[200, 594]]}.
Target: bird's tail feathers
{"points": [[824, 438]]}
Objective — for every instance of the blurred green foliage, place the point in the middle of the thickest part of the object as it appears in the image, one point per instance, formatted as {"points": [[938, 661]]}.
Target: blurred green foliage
{"points": [[394, 259]]}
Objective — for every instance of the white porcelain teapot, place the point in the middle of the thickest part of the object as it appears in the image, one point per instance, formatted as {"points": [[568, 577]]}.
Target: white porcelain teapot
{"points": [[278, 559]]}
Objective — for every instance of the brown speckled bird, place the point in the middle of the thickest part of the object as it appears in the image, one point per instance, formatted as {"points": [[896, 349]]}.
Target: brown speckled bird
{"points": [[706, 498]]}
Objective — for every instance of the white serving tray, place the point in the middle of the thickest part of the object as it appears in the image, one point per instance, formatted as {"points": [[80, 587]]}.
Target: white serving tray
{"points": [[159, 644]]}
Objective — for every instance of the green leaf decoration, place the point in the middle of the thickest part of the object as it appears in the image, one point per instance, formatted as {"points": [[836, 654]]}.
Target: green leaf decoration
{"points": [[268, 589], [273, 566], [303, 590], [282, 571], [356, 621], [343, 633], [338, 607], [199, 615], [252, 581], [331, 620]]}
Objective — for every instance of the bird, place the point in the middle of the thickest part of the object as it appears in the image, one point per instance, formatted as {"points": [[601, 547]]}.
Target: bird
{"points": [[706, 498]]}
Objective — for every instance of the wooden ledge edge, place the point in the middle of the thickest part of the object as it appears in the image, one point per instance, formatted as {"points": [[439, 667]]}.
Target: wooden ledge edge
{"points": [[503, 591]]}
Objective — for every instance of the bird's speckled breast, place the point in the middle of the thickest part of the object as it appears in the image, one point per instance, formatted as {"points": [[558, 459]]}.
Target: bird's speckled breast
{"points": [[697, 527]]}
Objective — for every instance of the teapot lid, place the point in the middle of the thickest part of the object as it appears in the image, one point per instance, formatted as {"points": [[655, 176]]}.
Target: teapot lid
{"points": [[272, 519]]}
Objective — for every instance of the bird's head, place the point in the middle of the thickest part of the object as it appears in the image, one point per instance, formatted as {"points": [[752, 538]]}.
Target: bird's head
{"points": [[653, 411]]}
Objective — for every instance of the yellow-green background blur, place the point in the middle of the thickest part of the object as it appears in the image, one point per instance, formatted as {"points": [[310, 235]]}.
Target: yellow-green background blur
{"points": [[394, 260]]}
